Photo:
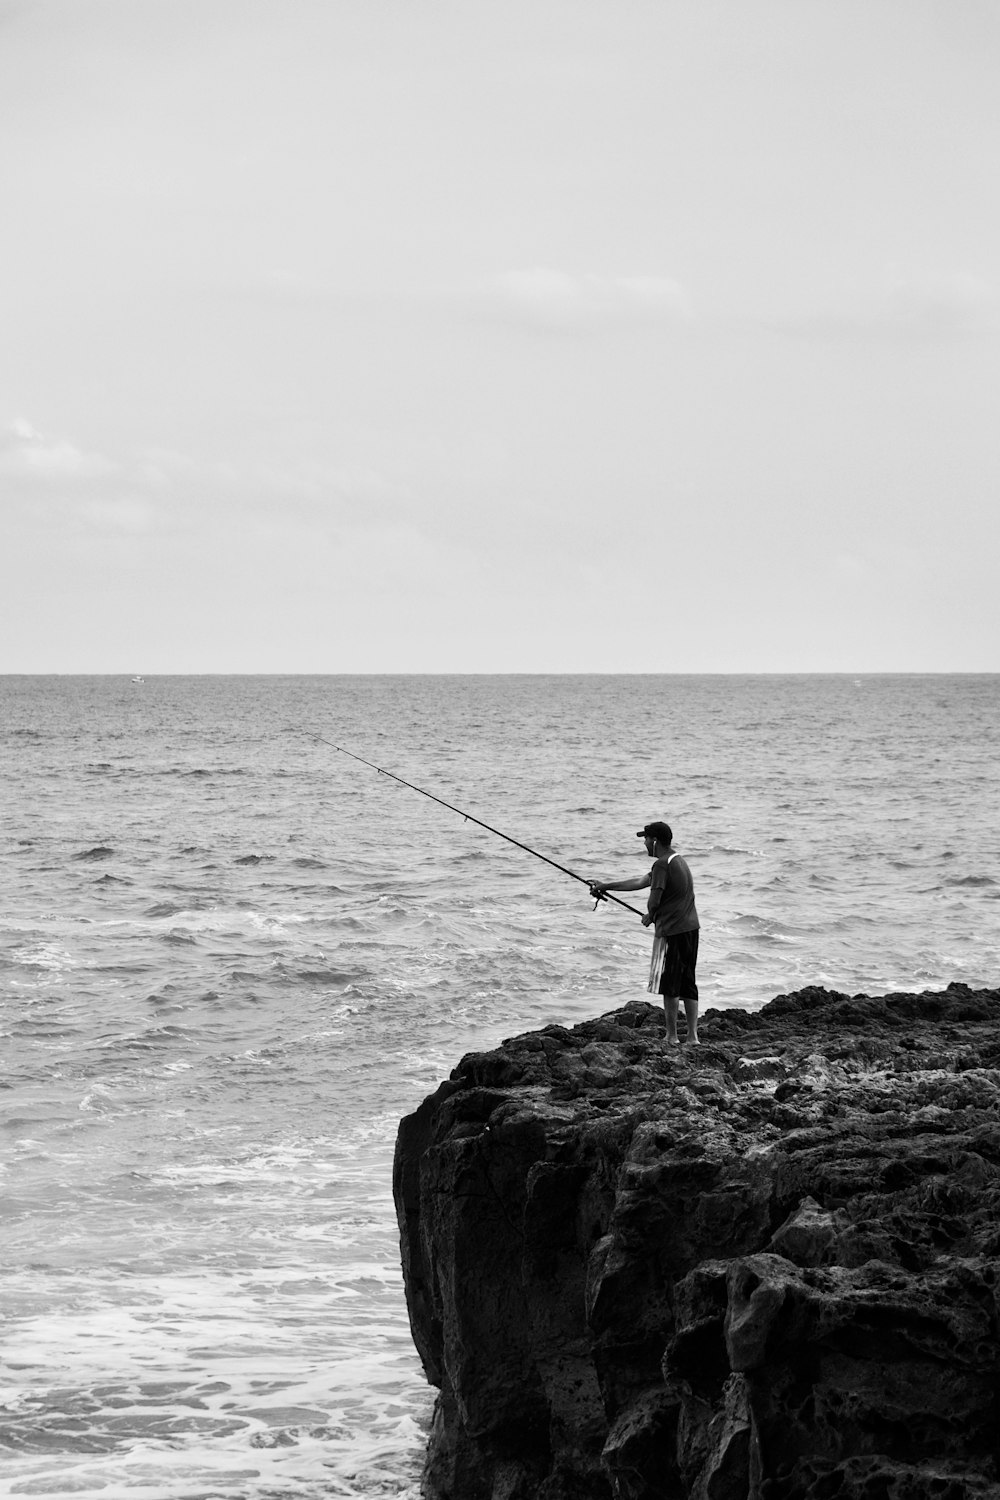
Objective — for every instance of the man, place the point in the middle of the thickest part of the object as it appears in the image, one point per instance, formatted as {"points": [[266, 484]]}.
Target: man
{"points": [[671, 908]]}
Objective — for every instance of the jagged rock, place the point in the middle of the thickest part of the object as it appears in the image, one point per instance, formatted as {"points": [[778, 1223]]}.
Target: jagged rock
{"points": [[762, 1269]]}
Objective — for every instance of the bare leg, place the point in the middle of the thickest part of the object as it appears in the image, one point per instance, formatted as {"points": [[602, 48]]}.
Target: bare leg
{"points": [[671, 1005], [691, 1011]]}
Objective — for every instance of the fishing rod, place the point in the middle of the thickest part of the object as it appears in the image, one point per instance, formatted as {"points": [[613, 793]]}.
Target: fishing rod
{"points": [[606, 896]]}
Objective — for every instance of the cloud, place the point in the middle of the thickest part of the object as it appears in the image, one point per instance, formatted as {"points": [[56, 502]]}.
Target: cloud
{"points": [[76, 490], [560, 301], [52, 482], [121, 515], [346, 490], [911, 306], [893, 569], [28, 454], [942, 304]]}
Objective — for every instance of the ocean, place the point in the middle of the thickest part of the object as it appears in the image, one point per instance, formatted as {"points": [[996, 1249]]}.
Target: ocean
{"points": [[231, 958]]}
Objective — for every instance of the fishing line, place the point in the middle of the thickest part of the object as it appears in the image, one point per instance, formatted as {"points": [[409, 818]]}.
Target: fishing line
{"points": [[607, 896]]}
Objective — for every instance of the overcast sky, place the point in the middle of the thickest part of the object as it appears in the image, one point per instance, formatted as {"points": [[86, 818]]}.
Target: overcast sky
{"points": [[399, 335]]}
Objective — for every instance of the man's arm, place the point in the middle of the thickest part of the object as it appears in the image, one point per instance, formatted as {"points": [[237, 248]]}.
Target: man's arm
{"points": [[639, 883], [658, 880]]}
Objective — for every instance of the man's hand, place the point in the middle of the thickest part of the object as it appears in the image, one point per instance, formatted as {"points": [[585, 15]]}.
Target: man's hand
{"points": [[597, 891], [647, 919]]}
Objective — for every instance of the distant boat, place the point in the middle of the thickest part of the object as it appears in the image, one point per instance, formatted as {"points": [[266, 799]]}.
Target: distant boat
{"points": [[138, 679]]}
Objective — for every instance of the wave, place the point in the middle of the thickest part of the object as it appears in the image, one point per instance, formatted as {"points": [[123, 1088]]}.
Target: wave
{"points": [[253, 859], [40, 958], [166, 909], [331, 977], [970, 880], [734, 849], [151, 1039], [120, 969], [224, 921], [356, 924], [300, 889], [199, 772], [100, 851], [768, 928]]}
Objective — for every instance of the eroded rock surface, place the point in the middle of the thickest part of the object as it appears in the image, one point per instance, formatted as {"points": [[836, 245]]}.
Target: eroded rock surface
{"points": [[762, 1269]]}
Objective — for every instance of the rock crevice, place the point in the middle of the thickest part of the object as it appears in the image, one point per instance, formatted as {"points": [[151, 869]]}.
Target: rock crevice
{"points": [[762, 1269]]}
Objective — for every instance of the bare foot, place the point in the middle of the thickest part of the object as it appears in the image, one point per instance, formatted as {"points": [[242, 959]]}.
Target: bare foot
{"points": [[671, 1041]]}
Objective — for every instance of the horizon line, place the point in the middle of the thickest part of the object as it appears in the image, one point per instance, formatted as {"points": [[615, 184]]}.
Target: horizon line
{"points": [[541, 672]]}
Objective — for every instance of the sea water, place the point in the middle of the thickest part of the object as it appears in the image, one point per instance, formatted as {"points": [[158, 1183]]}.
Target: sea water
{"points": [[231, 958]]}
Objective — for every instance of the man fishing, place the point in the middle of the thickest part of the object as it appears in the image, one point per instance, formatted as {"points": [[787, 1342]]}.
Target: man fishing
{"points": [[672, 912]]}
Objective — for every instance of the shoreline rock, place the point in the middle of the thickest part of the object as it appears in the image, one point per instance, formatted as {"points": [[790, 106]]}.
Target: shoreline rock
{"points": [[767, 1268]]}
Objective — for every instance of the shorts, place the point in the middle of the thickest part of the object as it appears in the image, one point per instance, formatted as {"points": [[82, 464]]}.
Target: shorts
{"points": [[672, 969]]}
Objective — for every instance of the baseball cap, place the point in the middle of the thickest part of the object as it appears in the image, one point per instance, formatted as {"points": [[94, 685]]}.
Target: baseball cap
{"points": [[662, 832]]}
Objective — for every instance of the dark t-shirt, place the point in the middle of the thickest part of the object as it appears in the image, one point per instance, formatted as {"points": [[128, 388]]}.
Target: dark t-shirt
{"points": [[676, 911]]}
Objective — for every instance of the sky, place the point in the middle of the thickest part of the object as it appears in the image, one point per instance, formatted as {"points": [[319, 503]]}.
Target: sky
{"points": [[499, 336]]}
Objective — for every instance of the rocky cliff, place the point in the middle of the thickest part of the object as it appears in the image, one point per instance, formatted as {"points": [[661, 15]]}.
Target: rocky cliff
{"points": [[765, 1267]]}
